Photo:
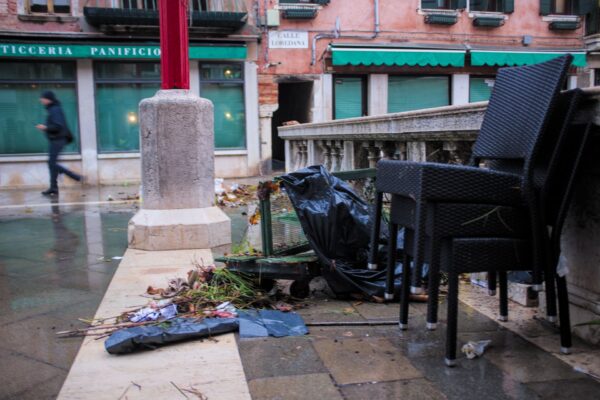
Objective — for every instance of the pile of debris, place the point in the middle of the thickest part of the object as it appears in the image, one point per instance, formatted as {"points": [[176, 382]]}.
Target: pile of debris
{"points": [[233, 195], [208, 299]]}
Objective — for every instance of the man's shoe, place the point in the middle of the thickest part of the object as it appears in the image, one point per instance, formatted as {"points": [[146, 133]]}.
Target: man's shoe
{"points": [[50, 192]]}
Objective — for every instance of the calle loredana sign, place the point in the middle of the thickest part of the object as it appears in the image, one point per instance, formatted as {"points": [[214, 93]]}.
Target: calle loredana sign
{"points": [[206, 52]]}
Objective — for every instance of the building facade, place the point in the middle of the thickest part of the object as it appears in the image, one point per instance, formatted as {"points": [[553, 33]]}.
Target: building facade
{"points": [[263, 63]]}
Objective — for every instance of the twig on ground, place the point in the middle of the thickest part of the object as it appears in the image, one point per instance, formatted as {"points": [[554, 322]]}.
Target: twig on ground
{"points": [[180, 391]]}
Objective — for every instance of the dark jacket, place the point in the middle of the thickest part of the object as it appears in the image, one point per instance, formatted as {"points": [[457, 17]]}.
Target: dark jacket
{"points": [[56, 124]]}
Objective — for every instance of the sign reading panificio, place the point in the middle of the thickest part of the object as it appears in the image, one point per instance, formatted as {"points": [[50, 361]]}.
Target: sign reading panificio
{"points": [[288, 40]]}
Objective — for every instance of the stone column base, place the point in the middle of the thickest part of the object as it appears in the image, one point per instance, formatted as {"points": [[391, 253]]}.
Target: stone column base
{"points": [[179, 229]]}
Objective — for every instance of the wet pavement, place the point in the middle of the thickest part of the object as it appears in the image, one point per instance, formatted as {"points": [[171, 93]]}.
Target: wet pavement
{"points": [[381, 362], [56, 261]]}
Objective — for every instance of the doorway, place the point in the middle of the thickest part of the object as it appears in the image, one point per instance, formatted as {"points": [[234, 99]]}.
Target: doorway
{"points": [[294, 105]]}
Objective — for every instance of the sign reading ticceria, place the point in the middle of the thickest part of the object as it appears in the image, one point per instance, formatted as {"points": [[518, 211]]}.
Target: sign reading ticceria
{"points": [[288, 40], [78, 51], [116, 51]]}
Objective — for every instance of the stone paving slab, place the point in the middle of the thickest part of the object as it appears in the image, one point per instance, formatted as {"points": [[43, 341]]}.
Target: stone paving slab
{"points": [[415, 389], [298, 387], [522, 361], [37, 371], [364, 360], [211, 367], [528, 323], [566, 389], [267, 358]]}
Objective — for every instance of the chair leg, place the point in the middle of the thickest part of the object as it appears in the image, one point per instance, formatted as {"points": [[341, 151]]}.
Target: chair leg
{"points": [[372, 265], [452, 319], [405, 292], [433, 285], [492, 283], [503, 278], [419, 249], [565, 319], [551, 312], [391, 262]]}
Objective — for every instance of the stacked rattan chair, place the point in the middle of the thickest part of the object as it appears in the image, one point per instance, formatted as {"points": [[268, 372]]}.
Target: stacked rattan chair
{"points": [[463, 218]]}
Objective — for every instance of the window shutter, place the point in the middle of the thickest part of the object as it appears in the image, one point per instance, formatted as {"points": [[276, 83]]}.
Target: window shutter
{"points": [[545, 7], [583, 7], [459, 4], [509, 6], [429, 4]]}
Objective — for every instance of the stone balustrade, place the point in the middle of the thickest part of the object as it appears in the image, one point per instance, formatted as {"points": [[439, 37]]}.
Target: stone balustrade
{"points": [[445, 134], [442, 134]]}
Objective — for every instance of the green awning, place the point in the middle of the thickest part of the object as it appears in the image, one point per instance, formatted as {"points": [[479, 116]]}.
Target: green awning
{"points": [[218, 52], [399, 57], [514, 58]]}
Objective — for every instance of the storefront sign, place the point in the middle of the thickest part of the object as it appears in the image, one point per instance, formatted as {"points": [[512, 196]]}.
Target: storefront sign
{"points": [[288, 40], [112, 52]]}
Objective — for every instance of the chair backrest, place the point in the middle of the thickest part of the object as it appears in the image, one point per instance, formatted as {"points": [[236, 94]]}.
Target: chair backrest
{"points": [[522, 100], [563, 165]]}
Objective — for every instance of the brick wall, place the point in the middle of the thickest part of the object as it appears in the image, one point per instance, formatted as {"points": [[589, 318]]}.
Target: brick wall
{"points": [[268, 90]]}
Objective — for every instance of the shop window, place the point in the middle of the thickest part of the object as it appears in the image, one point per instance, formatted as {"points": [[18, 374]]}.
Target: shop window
{"points": [[349, 97], [119, 89], [480, 88], [406, 93], [223, 84], [568, 7], [442, 4], [503, 6], [49, 6], [21, 84], [596, 77]]}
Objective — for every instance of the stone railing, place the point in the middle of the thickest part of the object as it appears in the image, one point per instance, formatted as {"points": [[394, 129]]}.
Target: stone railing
{"points": [[442, 134], [446, 134]]}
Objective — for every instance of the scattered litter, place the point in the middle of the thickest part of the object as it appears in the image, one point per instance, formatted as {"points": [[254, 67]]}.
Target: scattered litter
{"points": [[284, 307], [130, 197], [475, 349], [162, 309], [117, 258], [219, 189], [109, 198], [104, 259]]}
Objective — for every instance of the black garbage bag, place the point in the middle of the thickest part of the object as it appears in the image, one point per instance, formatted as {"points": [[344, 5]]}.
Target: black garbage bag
{"points": [[337, 223], [175, 330]]}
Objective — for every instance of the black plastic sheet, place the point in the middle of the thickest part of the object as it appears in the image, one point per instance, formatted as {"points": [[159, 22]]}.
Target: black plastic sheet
{"points": [[176, 330], [262, 323], [337, 223]]}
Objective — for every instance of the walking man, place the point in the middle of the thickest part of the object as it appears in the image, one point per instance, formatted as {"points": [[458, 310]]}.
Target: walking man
{"points": [[58, 135]]}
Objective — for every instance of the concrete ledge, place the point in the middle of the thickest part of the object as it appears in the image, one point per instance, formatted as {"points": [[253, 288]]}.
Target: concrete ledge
{"points": [[179, 229], [212, 367]]}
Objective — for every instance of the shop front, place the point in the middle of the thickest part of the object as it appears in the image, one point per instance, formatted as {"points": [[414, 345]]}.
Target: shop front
{"points": [[100, 87]]}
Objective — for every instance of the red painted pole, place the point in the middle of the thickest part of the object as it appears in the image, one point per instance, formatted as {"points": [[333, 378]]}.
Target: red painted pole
{"points": [[174, 56]]}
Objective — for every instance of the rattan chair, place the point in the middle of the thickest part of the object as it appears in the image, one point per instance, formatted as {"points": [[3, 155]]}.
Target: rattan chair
{"points": [[452, 242], [462, 255], [449, 220], [517, 116]]}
